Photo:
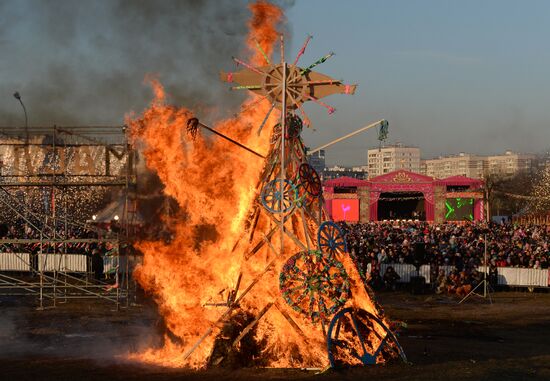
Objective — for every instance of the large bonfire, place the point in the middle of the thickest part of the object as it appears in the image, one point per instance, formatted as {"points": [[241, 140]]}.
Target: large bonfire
{"points": [[193, 276]]}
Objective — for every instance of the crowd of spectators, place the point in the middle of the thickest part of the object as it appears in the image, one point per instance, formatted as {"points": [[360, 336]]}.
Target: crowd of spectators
{"points": [[459, 283], [459, 246], [22, 231], [96, 250]]}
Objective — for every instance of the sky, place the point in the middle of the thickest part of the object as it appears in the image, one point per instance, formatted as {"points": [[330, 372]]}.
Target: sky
{"points": [[449, 76]]}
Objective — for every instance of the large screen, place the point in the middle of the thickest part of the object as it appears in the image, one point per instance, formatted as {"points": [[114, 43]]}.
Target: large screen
{"points": [[459, 209], [345, 209]]}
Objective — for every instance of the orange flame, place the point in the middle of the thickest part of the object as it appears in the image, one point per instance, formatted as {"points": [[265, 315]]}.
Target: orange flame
{"points": [[215, 183]]}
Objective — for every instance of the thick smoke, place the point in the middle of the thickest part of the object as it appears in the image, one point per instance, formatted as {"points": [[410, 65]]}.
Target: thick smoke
{"points": [[78, 62]]}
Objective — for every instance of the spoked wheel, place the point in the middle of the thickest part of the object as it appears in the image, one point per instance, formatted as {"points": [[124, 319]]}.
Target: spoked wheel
{"points": [[279, 196], [296, 85], [314, 285], [293, 128], [357, 337], [309, 180], [331, 239]]}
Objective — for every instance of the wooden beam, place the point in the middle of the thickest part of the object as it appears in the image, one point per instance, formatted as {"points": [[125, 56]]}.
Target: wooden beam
{"points": [[252, 324], [290, 320]]}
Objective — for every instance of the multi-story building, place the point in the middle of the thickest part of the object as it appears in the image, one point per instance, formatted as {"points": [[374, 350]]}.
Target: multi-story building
{"points": [[509, 164], [478, 167], [317, 160], [463, 164], [391, 158]]}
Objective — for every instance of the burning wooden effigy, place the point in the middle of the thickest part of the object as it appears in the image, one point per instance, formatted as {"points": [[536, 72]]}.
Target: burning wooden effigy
{"points": [[278, 287]]}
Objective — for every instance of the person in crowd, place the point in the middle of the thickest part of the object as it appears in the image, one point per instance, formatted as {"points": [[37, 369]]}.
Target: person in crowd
{"points": [[463, 284], [459, 245], [442, 282], [391, 277], [375, 280], [453, 281]]}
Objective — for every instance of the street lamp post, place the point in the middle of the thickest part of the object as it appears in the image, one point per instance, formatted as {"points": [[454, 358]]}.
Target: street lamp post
{"points": [[18, 97]]}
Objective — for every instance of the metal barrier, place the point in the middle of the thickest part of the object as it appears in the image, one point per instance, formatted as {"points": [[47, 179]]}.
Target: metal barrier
{"points": [[71, 263], [14, 262], [507, 276], [523, 277], [78, 263], [406, 271]]}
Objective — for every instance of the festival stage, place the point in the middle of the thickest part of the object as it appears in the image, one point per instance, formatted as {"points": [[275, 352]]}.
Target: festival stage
{"points": [[443, 340], [404, 195]]}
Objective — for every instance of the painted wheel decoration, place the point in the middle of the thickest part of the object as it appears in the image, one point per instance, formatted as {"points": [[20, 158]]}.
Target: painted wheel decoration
{"points": [[357, 337], [276, 191], [309, 180], [314, 285], [331, 239], [297, 86], [294, 126]]}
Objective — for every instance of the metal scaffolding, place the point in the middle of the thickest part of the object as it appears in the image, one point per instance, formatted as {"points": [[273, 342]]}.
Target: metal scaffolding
{"points": [[48, 177]]}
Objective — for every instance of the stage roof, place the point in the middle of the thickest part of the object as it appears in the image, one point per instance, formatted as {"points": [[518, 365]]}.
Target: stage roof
{"points": [[346, 181], [403, 177]]}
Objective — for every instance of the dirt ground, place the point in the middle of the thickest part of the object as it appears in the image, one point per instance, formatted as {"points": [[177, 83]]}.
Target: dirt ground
{"points": [[506, 340]]}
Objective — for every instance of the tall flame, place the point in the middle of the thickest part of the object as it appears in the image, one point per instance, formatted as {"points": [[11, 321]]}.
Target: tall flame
{"points": [[215, 183]]}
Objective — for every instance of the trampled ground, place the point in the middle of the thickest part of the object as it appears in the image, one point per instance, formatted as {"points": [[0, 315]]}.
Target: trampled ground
{"points": [[508, 340]]}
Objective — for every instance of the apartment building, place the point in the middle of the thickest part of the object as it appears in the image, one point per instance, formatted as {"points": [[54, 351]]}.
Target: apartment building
{"points": [[463, 164], [391, 158], [477, 167], [509, 164]]}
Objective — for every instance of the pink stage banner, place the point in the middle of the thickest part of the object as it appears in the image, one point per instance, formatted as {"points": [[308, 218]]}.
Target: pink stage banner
{"points": [[345, 210]]}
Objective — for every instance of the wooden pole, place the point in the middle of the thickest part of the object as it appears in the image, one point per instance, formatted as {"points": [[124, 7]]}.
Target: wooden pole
{"points": [[283, 133], [195, 122], [375, 124]]}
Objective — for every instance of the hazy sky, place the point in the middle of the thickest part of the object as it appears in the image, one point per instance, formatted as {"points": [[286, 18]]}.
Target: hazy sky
{"points": [[449, 76]]}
